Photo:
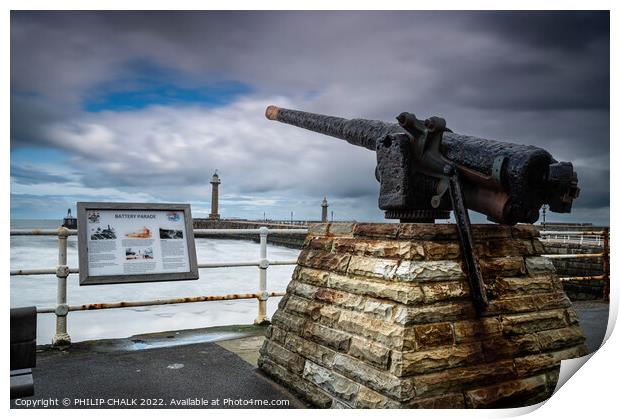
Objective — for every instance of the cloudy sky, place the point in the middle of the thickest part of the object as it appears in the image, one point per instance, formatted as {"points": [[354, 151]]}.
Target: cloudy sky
{"points": [[144, 106]]}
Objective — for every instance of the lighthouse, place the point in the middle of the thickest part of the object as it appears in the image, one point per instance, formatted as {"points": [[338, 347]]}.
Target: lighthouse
{"points": [[324, 206], [215, 184]]}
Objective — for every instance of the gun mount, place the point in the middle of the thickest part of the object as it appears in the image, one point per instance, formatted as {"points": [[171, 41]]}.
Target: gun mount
{"points": [[425, 171]]}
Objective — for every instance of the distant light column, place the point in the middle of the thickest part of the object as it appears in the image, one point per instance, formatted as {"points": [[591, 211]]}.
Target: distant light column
{"points": [[324, 206], [215, 184]]}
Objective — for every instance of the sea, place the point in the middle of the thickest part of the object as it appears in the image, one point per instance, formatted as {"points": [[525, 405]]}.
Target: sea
{"points": [[40, 290]]}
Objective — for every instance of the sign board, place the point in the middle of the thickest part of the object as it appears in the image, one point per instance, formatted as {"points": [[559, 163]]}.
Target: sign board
{"points": [[124, 243]]}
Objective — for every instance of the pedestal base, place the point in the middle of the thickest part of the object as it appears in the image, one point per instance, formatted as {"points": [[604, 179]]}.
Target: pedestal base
{"points": [[379, 316]]}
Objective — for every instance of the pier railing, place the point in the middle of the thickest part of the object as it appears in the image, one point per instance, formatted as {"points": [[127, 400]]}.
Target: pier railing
{"points": [[592, 238], [62, 272]]}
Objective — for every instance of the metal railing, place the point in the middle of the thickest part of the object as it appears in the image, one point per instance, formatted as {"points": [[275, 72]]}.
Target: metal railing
{"points": [[62, 271], [598, 238], [594, 238]]}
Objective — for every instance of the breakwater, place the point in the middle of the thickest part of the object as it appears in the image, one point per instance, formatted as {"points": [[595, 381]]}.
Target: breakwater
{"points": [[293, 241]]}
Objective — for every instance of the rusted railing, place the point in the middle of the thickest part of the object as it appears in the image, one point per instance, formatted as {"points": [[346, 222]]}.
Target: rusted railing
{"points": [[62, 271], [599, 238]]}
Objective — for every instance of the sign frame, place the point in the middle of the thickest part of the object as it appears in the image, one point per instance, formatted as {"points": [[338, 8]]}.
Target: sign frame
{"points": [[87, 279]]}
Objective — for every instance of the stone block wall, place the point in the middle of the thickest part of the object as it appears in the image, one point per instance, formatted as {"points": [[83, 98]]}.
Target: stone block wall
{"points": [[379, 316]]}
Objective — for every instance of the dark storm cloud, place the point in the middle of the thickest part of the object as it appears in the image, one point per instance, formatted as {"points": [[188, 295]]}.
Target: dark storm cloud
{"points": [[563, 30], [540, 78]]}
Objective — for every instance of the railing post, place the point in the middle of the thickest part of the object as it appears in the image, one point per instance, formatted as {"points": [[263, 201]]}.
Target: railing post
{"points": [[62, 338], [606, 264], [262, 278]]}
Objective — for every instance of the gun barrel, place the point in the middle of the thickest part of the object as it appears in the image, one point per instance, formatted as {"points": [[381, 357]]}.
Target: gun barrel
{"points": [[528, 176], [359, 132]]}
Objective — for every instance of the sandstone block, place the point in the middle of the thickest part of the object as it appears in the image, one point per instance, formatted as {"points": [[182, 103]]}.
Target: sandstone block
{"points": [[432, 335], [491, 231], [444, 291], [372, 267], [386, 383], [394, 250], [416, 231], [436, 250], [364, 325], [302, 307], [350, 245], [378, 308], [324, 335], [332, 382], [510, 305], [341, 229], [340, 298], [329, 315], [288, 322], [320, 243], [367, 350], [501, 347], [511, 393], [301, 289], [278, 335], [502, 267], [289, 360], [545, 361], [313, 351], [319, 259], [428, 271], [551, 300], [523, 286], [560, 338], [405, 293], [504, 247], [538, 264], [384, 231], [422, 362], [311, 276], [478, 328], [307, 390], [533, 322], [407, 315], [369, 399], [455, 379]]}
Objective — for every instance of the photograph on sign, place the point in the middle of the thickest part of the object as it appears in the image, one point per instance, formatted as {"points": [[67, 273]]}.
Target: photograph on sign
{"points": [[121, 243]]}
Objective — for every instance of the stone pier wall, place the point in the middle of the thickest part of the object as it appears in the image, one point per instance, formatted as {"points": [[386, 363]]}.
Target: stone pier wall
{"points": [[379, 316], [293, 241]]}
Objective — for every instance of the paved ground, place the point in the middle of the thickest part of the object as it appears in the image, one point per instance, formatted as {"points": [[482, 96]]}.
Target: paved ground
{"points": [[191, 368], [119, 373]]}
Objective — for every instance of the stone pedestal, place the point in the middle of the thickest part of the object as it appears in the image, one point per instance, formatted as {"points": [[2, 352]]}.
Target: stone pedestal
{"points": [[379, 316]]}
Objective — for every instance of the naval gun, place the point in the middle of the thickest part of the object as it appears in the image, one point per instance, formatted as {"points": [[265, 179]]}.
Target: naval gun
{"points": [[425, 171]]}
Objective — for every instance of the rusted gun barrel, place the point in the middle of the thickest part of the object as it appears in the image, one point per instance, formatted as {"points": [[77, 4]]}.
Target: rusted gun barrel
{"points": [[507, 182]]}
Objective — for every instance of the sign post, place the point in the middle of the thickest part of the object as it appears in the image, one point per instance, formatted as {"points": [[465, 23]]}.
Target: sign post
{"points": [[127, 243]]}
